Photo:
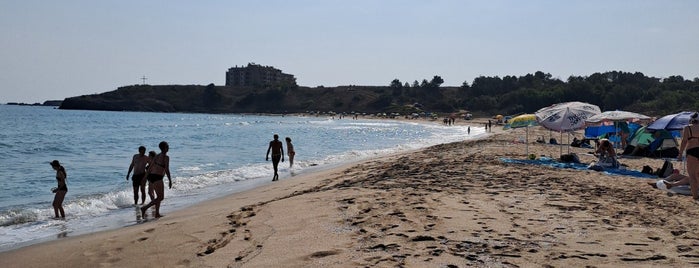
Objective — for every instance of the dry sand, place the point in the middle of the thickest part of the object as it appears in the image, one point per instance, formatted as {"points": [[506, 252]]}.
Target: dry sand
{"points": [[451, 205]]}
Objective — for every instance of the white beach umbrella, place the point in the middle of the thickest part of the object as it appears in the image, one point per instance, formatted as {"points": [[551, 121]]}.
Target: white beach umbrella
{"points": [[617, 116], [566, 116]]}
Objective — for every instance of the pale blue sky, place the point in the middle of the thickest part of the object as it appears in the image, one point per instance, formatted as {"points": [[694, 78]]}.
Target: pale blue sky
{"points": [[59, 49]]}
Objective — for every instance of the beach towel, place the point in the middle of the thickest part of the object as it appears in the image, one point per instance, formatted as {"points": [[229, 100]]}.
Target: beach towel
{"points": [[547, 161]]}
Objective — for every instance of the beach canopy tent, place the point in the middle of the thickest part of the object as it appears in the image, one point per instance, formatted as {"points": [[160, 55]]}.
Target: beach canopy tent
{"points": [[603, 131], [609, 131], [652, 143], [620, 120]]}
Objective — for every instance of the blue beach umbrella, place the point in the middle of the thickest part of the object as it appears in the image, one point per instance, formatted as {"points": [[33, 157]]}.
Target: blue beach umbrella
{"points": [[671, 122]]}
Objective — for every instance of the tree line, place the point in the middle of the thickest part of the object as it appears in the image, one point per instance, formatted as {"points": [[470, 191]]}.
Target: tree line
{"points": [[613, 90]]}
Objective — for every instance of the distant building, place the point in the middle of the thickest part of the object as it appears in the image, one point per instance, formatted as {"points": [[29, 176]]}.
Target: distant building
{"points": [[258, 75]]}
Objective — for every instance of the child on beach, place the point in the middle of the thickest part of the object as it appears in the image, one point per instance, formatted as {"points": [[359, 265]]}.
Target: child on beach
{"points": [[151, 191]]}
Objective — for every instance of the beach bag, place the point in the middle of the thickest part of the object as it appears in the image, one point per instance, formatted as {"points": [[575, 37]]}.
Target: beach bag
{"points": [[648, 170], [570, 158]]}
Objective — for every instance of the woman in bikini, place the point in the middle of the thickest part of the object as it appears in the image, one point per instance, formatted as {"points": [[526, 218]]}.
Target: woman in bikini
{"points": [[690, 142], [290, 151], [151, 191], [160, 166], [61, 190]]}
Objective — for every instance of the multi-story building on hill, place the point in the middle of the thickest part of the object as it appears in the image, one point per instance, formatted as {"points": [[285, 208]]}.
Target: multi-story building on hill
{"points": [[258, 75]]}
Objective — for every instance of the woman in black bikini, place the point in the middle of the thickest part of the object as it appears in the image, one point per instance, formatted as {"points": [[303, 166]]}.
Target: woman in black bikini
{"points": [[61, 190], [160, 166], [690, 141]]}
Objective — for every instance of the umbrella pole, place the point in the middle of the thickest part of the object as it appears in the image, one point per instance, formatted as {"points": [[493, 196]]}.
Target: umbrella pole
{"points": [[559, 144], [527, 141]]}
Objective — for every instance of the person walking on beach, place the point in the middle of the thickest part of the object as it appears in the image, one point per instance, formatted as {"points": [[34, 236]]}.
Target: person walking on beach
{"points": [[160, 166], [690, 142], [290, 151], [61, 190], [151, 191], [138, 165], [277, 153]]}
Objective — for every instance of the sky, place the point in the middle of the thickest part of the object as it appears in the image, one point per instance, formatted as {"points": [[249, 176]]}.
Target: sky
{"points": [[51, 50]]}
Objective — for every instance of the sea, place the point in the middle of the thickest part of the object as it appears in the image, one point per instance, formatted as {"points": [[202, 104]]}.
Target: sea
{"points": [[211, 155]]}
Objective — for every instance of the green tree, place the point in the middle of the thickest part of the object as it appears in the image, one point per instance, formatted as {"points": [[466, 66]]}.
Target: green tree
{"points": [[424, 83], [436, 81], [396, 83]]}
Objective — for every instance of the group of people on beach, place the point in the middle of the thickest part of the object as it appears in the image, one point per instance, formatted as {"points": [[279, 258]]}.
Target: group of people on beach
{"points": [[277, 149], [690, 147], [152, 168]]}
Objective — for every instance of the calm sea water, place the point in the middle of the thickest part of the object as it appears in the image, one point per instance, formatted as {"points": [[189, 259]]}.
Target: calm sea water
{"points": [[211, 156]]}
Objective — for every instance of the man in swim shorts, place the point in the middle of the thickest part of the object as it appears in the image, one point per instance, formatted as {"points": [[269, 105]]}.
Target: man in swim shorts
{"points": [[138, 165], [277, 153]]}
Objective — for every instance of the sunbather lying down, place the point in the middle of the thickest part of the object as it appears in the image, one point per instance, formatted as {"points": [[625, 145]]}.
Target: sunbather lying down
{"points": [[675, 179]]}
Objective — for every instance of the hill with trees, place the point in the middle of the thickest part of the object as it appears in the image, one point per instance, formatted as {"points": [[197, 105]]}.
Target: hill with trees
{"points": [[614, 90]]}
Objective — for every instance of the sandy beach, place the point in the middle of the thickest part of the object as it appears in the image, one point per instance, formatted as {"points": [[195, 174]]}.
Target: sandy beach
{"points": [[450, 205]]}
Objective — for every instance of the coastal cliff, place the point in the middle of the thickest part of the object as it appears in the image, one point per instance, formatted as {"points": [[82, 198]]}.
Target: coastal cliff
{"points": [[612, 90], [225, 99]]}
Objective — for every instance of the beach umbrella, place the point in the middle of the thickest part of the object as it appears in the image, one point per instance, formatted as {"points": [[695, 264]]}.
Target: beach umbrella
{"points": [[616, 116], [524, 120], [671, 122], [520, 121], [566, 116]]}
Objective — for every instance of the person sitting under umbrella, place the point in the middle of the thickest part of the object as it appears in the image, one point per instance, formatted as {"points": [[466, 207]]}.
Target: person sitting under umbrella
{"points": [[606, 156]]}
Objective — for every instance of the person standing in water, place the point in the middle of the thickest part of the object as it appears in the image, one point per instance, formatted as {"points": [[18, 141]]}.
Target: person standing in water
{"points": [[138, 165], [290, 151], [61, 190], [160, 166], [277, 149]]}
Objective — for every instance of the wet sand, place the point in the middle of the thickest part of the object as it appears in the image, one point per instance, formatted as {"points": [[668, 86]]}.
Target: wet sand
{"points": [[450, 205]]}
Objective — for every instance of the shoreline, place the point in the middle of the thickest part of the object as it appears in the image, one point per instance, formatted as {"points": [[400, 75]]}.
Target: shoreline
{"points": [[450, 204], [117, 210], [123, 217]]}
